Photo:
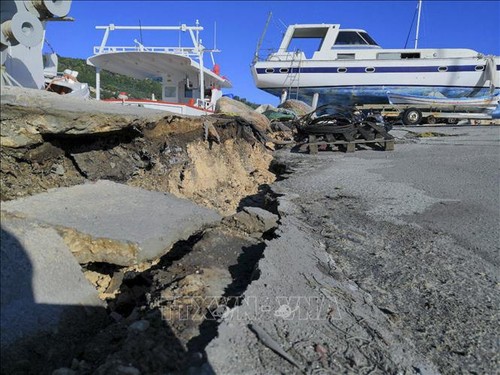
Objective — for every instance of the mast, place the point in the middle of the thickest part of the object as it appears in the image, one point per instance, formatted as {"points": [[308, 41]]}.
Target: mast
{"points": [[419, 7], [256, 56]]}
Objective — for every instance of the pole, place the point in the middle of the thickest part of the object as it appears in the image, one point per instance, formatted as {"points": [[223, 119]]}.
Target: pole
{"points": [[418, 22], [202, 77], [315, 99], [98, 83]]}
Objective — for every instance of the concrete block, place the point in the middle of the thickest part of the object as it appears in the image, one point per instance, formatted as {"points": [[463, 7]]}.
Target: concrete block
{"points": [[253, 220], [114, 223], [41, 281]]}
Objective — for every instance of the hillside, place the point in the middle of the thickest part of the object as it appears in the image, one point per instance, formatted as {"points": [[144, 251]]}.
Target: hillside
{"points": [[111, 83]]}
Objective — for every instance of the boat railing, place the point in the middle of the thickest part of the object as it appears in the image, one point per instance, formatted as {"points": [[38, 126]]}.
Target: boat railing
{"points": [[264, 54], [184, 51], [195, 50]]}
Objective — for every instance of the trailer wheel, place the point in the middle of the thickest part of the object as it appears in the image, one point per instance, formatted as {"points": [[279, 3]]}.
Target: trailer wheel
{"points": [[412, 116], [431, 120]]}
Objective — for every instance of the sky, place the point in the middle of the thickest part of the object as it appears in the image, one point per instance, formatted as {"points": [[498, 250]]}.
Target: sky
{"points": [[239, 25]]}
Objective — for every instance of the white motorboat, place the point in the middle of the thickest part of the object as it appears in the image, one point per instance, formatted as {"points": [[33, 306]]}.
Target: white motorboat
{"points": [[350, 68], [63, 83], [439, 102], [188, 87]]}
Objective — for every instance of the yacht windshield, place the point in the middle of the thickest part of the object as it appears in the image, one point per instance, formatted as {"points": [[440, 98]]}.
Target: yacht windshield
{"points": [[354, 38], [369, 39]]}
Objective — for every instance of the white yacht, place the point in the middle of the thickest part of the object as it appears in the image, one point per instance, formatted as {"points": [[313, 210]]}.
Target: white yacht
{"points": [[349, 67], [188, 86]]}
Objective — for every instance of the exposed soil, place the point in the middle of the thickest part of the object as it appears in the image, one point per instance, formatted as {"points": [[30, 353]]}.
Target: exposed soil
{"points": [[166, 315], [160, 314], [170, 155]]}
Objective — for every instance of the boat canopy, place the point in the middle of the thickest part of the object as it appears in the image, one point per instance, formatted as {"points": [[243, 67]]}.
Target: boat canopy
{"points": [[152, 65]]}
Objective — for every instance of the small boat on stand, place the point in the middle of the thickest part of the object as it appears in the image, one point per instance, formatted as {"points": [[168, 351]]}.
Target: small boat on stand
{"points": [[188, 86]]}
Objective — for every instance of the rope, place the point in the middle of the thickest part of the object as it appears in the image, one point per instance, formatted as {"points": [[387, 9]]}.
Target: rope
{"points": [[411, 26]]}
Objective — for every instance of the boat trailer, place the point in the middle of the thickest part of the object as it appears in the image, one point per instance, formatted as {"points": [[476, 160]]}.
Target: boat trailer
{"points": [[416, 114]]}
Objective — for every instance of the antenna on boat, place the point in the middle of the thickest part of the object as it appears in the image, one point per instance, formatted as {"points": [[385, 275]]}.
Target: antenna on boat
{"points": [[198, 42], [256, 56], [140, 32], [419, 7], [215, 35]]}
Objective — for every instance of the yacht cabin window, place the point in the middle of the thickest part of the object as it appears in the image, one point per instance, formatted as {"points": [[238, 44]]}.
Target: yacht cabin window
{"points": [[398, 55], [346, 56]]}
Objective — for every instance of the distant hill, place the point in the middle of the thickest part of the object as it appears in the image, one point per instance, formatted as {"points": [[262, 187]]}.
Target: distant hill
{"points": [[111, 83]]}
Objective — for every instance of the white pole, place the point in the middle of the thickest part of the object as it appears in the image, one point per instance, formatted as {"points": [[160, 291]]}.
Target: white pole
{"points": [[418, 22], [284, 94], [106, 35], [315, 99], [202, 77], [98, 83]]}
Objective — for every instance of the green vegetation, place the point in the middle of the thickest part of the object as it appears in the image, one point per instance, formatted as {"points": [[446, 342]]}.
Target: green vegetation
{"points": [[243, 100], [111, 83]]}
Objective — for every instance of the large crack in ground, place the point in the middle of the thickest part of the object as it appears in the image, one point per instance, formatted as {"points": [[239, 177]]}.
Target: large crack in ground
{"points": [[161, 315], [395, 289], [185, 294]]}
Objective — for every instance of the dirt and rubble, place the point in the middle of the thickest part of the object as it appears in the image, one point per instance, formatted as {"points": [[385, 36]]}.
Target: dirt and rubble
{"points": [[220, 162], [170, 153], [315, 268]]}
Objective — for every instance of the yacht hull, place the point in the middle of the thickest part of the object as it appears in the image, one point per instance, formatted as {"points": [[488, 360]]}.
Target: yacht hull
{"points": [[353, 95], [368, 81]]}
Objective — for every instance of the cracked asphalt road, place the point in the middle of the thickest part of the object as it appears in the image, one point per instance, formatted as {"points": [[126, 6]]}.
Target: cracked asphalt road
{"points": [[411, 242]]}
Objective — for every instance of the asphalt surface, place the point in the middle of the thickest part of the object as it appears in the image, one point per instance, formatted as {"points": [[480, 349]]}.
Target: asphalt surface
{"points": [[406, 242], [461, 169]]}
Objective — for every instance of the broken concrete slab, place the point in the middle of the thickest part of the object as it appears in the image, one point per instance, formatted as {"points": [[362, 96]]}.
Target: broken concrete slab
{"points": [[27, 114], [253, 220], [41, 282], [266, 219], [114, 223]]}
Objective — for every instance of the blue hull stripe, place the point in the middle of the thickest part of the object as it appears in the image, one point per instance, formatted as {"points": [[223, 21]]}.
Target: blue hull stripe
{"points": [[382, 69], [382, 87]]}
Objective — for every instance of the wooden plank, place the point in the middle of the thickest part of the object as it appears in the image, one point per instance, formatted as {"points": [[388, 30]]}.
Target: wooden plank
{"points": [[350, 147], [389, 145], [313, 145], [356, 141], [367, 134]]}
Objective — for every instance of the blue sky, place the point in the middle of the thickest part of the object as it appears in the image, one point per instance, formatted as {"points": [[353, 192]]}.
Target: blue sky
{"points": [[444, 24]]}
